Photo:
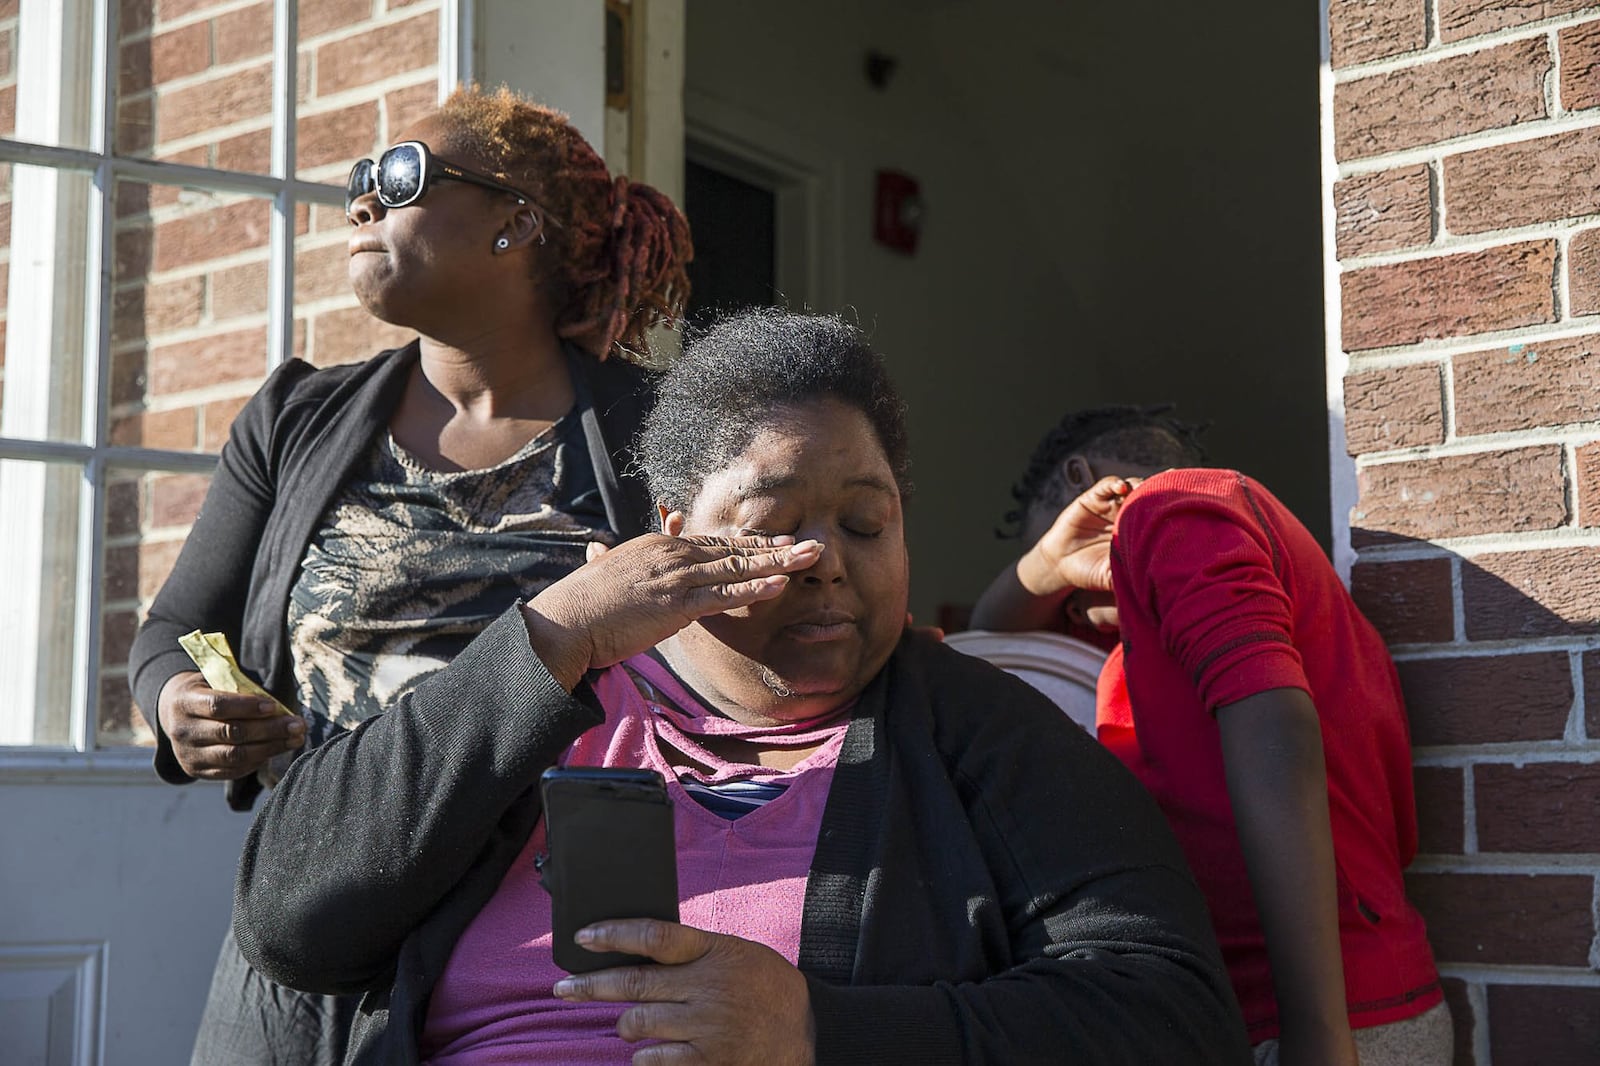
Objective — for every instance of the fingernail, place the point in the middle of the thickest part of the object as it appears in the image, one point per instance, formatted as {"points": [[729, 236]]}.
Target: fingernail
{"points": [[297, 726], [586, 935], [806, 547], [564, 987]]}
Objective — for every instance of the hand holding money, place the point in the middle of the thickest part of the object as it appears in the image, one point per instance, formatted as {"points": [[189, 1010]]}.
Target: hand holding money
{"points": [[221, 724]]}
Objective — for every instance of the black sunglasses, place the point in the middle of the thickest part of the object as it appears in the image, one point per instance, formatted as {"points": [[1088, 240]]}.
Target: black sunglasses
{"points": [[402, 174]]}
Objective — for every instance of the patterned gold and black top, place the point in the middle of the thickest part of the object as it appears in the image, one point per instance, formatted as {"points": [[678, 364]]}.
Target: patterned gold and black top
{"points": [[411, 563]]}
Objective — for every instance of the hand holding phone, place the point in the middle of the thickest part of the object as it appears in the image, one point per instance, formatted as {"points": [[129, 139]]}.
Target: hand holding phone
{"points": [[611, 854]]}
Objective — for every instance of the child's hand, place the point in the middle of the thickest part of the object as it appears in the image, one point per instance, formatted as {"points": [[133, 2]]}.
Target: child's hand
{"points": [[1075, 553]]}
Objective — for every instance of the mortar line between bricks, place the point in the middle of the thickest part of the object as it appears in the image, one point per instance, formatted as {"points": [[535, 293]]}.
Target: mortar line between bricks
{"points": [[1447, 402], [1484, 444], [1487, 544], [1466, 756], [1478, 1000], [1493, 649], [1436, 349], [1430, 25], [1552, 79], [1580, 698], [1572, 121], [1569, 474], [1510, 863], [1469, 810], [1450, 244], [1458, 602], [1562, 294], [1517, 975], [1594, 914], [1436, 50]]}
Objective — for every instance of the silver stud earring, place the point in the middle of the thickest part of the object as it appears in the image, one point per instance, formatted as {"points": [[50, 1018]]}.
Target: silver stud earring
{"points": [[541, 238], [502, 244]]}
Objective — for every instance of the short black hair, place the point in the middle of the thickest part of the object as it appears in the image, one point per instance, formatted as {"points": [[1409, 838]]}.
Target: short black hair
{"points": [[718, 394], [1146, 436]]}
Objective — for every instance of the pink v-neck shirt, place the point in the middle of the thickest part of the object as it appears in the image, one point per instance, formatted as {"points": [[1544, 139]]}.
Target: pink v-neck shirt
{"points": [[747, 877]]}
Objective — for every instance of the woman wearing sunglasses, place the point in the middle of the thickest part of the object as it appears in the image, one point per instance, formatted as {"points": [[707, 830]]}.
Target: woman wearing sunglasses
{"points": [[366, 521]]}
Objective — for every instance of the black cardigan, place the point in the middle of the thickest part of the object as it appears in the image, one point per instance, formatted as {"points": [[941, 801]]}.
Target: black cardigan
{"points": [[989, 884], [290, 451]]}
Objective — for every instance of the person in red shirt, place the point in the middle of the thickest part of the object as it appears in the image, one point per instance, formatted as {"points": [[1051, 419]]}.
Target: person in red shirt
{"points": [[1264, 713]]}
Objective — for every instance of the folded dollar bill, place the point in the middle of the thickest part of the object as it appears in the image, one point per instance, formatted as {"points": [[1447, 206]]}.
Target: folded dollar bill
{"points": [[212, 654]]}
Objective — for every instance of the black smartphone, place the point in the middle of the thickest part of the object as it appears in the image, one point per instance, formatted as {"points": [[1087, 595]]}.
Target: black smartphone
{"points": [[609, 853]]}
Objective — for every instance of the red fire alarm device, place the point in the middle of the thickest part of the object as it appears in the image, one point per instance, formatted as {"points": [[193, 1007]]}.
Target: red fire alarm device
{"points": [[898, 218]]}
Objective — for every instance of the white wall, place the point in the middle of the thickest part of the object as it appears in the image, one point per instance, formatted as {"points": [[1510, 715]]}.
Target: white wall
{"points": [[1114, 215]]}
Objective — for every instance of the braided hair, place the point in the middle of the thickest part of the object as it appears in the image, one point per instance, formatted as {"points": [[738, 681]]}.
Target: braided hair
{"points": [[1145, 436], [622, 247]]}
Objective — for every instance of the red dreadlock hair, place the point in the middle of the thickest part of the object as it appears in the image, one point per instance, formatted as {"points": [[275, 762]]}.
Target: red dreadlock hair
{"points": [[622, 247]]}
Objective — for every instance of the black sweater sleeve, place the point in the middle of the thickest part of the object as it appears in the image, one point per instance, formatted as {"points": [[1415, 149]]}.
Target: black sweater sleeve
{"points": [[210, 581], [368, 834], [1113, 957]]}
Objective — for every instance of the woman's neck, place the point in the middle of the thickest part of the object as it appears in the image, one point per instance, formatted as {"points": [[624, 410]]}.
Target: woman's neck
{"points": [[772, 711], [516, 372]]}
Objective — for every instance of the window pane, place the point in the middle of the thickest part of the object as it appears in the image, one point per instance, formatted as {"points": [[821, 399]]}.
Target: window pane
{"points": [[47, 96], [39, 505], [195, 83], [43, 305], [148, 515], [329, 320], [189, 319], [364, 75]]}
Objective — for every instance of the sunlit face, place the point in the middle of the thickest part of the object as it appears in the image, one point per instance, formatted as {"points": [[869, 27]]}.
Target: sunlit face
{"points": [[816, 472], [412, 265]]}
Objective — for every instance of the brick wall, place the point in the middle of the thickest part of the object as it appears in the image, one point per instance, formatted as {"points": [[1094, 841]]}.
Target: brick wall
{"points": [[1467, 217], [190, 274]]}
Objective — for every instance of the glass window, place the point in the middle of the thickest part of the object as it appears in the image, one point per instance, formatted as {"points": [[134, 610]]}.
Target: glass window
{"points": [[182, 164]]}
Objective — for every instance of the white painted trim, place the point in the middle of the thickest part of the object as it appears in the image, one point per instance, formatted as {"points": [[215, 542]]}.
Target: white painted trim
{"points": [[804, 174], [1343, 490]]}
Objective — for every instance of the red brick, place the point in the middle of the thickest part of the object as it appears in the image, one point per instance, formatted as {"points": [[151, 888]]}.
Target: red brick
{"points": [[171, 10], [327, 15], [135, 126], [216, 419], [153, 309], [222, 359], [1580, 66], [1485, 90], [156, 429], [246, 33], [1409, 602], [211, 234], [341, 136], [1542, 180], [133, 73], [1383, 212], [131, 198], [248, 153], [123, 507], [129, 376], [1487, 699], [378, 53], [175, 499], [155, 563], [1449, 296], [1538, 807], [239, 290], [351, 334], [326, 219], [7, 53], [1506, 919], [1587, 477], [1548, 1025], [137, 570], [1583, 272], [1459, 19], [133, 15], [1462, 1020], [1360, 31], [118, 722], [1550, 383], [217, 102], [1509, 491], [1441, 822], [1541, 593], [321, 273], [181, 53], [403, 107], [1396, 407], [117, 629]]}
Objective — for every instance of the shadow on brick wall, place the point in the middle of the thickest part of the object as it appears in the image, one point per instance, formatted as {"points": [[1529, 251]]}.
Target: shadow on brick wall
{"points": [[1494, 654]]}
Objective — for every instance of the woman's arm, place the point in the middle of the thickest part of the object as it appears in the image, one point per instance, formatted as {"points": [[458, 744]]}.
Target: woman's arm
{"points": [[1277, 782], [1072, 554], [200, 733]]}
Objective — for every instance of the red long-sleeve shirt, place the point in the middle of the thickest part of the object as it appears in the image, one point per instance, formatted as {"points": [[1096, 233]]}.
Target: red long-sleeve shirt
{"points": [[1223, 594]]}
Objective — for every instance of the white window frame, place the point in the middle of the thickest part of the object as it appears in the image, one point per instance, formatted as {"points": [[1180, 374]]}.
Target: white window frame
{"points": [[93, 453]]}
